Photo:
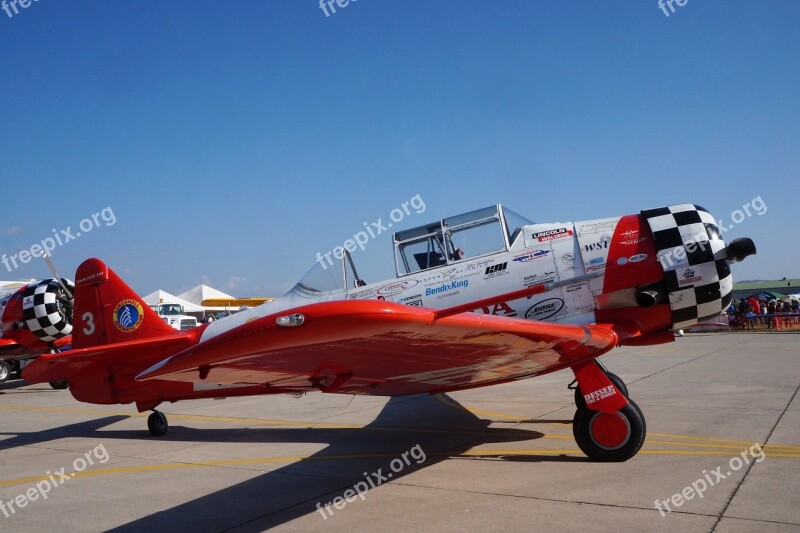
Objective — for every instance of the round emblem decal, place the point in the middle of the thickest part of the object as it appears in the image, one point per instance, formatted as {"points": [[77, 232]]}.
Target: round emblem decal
{"points": [[128, 315]]}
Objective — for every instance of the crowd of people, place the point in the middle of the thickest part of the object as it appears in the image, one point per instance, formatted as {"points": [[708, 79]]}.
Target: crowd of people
{"points": [[747, 313]]}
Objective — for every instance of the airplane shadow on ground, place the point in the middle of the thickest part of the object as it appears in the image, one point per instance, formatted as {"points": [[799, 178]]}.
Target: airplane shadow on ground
{"points": [[14, 384], [442, 431], [293, 491]]}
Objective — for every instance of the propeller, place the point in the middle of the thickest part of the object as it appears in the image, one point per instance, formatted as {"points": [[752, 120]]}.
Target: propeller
{"points": [[55, 273]]}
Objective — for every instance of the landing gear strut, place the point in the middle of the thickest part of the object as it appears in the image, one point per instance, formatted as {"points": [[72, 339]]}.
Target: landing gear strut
{"points": [[609, 436], [157, 423]]}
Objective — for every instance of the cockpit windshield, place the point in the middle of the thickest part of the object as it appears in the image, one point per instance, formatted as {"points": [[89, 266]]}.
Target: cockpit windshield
{"points": [[330, 274], [476, 233], [514, 224]]}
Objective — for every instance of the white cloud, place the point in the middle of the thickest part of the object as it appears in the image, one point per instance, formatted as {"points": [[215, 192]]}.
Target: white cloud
{"points": [[234, 282]]}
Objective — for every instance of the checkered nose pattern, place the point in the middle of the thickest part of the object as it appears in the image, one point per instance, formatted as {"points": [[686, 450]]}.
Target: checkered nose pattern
{"points": [[42, 313], [694, 260]]}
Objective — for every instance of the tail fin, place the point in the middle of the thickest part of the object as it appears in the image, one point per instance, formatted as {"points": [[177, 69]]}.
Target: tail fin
{"points": [[108, 311]]}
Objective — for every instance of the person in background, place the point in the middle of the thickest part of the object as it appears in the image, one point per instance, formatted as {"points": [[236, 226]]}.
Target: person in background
{"points": [[770, 311], [755, 308]]}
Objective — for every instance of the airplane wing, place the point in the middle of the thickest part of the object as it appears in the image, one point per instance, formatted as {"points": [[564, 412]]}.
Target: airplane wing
{"points": [[383, 348]]}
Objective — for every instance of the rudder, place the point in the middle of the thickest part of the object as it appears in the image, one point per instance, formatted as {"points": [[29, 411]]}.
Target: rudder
{"points": [[108, 311]]}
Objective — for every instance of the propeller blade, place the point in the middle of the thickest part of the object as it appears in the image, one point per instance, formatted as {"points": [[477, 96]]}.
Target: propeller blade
{"points": [[55, 273]]}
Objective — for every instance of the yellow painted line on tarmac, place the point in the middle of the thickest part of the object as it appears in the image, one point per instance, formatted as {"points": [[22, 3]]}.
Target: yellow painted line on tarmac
{"points": [[450, 403], [721, 445], [739, 442], [252, 421], [202, 418], [484, 453], [712, 442], [174, 466], [293, 459]]}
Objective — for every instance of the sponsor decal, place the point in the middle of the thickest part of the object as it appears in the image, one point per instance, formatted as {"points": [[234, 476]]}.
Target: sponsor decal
{"points": [[600, 394], [602, 244], [545, 309], [568, 259], [447, 287], [630, 234], [500, 309], [128, 315], [597, 227], [480, 264], [362, 295], [689, 277], [461, 272], [596, 261], [397, 286], [532, 256], [536, 279], [451, 273], [409, 298], [622, 260], [495, 270], [594, 268], [573, 288], [551, 234], [637, 258], [414, 303], [631, 242], [87, 278]]}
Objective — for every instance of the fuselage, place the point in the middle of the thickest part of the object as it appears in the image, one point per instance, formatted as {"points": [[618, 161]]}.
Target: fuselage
{"points": [[599, 268]]}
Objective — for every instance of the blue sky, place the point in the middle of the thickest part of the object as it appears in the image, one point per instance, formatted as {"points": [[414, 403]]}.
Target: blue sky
{"points": [[234, 140]]}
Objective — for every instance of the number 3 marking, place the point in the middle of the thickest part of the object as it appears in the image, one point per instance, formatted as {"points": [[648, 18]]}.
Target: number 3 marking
{"points": [[89, 319]]}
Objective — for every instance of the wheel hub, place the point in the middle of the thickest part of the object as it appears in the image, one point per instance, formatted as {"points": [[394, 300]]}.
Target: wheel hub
{"points": [[610, 431]]}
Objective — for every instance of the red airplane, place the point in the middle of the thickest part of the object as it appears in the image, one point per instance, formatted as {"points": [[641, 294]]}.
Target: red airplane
{"points": [[482, 298], [35, 318]]}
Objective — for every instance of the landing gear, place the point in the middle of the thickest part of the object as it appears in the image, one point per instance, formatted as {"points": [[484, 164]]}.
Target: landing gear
{"points": [[609, 437], [5, 371], [157, 424], [615, 379], [58, 385]]}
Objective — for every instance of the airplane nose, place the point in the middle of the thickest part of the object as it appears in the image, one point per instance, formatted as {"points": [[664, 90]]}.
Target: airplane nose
{"points": [[695, 262], [739, 249]]}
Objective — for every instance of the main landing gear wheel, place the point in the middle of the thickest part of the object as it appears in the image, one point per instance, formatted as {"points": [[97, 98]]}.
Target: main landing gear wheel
{"points": [[58, 385], [609, 437], [5, 371], [580, 402], [157, 424]]}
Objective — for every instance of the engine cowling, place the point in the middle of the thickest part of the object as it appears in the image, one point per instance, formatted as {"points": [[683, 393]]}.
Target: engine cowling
{"points": [[695, 261], [47, 310]]}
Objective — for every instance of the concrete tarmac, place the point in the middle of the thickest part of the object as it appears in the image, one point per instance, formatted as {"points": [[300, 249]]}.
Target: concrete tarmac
{"points": [[722, 454]]}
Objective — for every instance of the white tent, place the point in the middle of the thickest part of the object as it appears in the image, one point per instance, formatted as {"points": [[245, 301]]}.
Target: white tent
{"points": [[204, 292], [163, 297]]}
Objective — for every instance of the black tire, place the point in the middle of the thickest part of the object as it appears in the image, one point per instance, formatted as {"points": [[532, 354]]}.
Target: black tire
{"points": [[5, 371], [619, 437], [157, 424], [580, 402], [59, 385]]}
